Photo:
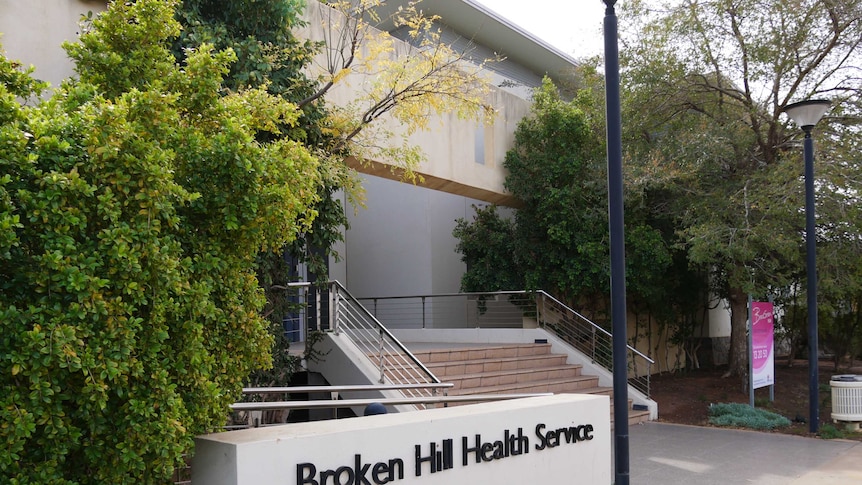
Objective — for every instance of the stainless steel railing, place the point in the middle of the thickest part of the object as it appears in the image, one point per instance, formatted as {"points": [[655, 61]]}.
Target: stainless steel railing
{"points": [[512, 309], [395, 363], [591, 339]]}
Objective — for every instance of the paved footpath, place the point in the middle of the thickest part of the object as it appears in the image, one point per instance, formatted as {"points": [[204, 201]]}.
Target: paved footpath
{"points": [[672, 454]]}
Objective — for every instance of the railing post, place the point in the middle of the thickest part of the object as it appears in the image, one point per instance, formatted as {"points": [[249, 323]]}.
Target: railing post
{"points": [[333, 309], [317, 308], [540, 317], [648, 375], [380, 354], [303, 319], [333, 396], [423, 312]]}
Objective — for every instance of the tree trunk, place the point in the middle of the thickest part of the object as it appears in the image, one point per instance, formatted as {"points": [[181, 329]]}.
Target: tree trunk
{"points": [[738, 357]]}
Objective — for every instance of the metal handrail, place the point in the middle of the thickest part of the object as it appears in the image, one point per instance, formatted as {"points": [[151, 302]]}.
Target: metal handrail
{"points": [[393, 401], [574, 328], [351, 318], [345, 388], [255, 409], [590, 322], [511, 292]]}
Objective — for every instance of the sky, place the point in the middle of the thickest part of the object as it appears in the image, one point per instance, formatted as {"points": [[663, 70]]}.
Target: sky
{"points": [[572, 26]]}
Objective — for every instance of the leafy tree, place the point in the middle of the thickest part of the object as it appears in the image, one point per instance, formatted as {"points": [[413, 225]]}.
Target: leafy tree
{"points": [[405, 88], [558, 241], [709, 81], [271, 57], [431, 78], [489, 248], [555, 168], [132, 205]]}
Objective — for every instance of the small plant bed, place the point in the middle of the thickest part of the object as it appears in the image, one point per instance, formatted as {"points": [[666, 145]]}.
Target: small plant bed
{"points": [[738, 415], [685, 397]]}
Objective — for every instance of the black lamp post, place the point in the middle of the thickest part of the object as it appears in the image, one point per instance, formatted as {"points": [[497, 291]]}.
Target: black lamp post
{"points": [[617, 240], [806, 114]]}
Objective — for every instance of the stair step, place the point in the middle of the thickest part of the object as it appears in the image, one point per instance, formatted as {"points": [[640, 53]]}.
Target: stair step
{"points": [[513, 369], [566, 385], [462, 367], [485, 379], [478, 353], [638, 417]]}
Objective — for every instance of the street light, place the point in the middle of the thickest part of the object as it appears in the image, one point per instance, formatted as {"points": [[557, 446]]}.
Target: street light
{"points": [[617, 242], [806, 114]]}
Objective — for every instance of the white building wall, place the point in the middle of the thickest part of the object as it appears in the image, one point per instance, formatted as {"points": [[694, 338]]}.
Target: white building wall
{"points": [[719, 318], [401, 243], [34, 30]]}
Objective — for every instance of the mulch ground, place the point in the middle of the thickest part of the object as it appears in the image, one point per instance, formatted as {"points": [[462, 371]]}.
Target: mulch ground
{"points": [[684, 397]]}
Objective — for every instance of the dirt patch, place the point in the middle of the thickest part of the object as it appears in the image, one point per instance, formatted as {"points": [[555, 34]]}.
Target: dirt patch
{"points": [[684, 397]]}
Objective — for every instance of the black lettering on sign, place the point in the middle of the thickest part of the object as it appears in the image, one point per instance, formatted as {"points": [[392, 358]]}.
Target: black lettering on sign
{"points": [[510, 445], [336, 476], [305, 473], [438, 460], [465, 450], [361, 473], [555, 437]]}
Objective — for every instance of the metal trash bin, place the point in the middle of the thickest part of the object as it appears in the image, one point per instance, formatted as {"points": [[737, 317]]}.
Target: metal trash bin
{"points": [[847, 398]]}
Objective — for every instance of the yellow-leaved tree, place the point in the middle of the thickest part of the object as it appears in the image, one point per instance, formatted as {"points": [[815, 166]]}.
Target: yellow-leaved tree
{"points": [[405, 83]]}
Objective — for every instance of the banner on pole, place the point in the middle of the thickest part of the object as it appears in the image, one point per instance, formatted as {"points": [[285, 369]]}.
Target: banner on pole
{"points": [[762, 344]]}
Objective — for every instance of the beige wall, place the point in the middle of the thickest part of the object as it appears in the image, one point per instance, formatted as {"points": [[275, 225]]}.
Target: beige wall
{"points": [[33, 31], [450, 143], [406, 233], [653, 340]]}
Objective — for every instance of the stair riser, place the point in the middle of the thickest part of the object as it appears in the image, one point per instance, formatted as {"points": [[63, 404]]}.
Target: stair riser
{"points": [[430, 357], [537, 387], [511, 370], [520, 378], [461, 368]]}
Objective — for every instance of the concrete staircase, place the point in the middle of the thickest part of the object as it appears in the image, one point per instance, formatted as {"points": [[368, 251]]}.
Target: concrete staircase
{"points": [[515, 368]]}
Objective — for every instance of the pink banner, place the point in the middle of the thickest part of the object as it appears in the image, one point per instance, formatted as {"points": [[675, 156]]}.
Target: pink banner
{"points": [[762, 357]]}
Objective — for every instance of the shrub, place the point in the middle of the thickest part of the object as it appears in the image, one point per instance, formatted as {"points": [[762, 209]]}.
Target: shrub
{"points": [[830, 432], [744, 416], [132, 206]]}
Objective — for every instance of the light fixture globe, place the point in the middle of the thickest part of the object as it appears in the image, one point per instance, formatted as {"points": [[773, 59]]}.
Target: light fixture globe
{"points": [[807, 113]]}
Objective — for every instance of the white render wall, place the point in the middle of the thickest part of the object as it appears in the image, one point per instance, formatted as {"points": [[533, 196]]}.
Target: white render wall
{"points": [[401, 243], [33, 30], [450, 144], [552, 439]]}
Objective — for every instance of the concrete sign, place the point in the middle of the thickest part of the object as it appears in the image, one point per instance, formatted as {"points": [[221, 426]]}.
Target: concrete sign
{"points": [[551, 439]]}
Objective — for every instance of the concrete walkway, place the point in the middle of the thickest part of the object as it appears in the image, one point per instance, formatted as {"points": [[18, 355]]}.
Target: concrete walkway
{"points": [[671, 454]]}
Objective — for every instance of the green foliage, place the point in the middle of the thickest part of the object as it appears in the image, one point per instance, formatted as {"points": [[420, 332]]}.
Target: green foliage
{"points": [[270, 56], [132, 205], [555, 169], [487, 245], [740, 415], [831, 432], [707, 83], [558, 241]]}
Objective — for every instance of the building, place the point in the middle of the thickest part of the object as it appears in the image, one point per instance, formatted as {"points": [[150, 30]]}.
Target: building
{"points": [[402, 243]]}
